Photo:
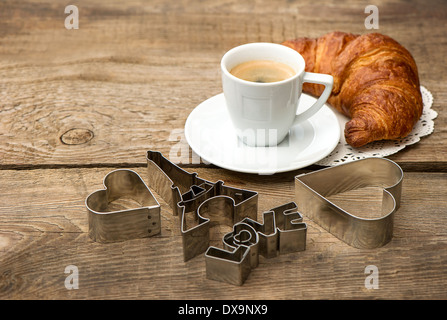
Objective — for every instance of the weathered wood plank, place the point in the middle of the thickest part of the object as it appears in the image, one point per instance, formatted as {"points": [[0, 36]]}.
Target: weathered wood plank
{"points": [[74, 104], [132, 72], [43, 229]]}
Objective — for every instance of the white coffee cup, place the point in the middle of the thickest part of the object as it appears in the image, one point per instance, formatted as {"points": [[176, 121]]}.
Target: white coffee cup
{"points": [[263, 113]]}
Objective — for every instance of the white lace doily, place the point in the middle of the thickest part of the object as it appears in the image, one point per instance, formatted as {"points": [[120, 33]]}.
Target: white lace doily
{"points": [[345, 153]]}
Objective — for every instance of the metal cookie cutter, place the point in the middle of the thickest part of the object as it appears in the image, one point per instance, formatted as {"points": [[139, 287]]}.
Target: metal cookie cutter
{"points": [[311, 190], [282, 231], [108, 225], [209, 203]]}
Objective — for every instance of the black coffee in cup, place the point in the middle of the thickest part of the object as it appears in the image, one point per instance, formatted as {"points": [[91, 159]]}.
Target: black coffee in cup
{"points": [[263, 71]]}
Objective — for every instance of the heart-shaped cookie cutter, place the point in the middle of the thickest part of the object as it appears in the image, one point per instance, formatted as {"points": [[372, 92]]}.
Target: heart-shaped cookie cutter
{"points": [[312, 190], [109, 225]]}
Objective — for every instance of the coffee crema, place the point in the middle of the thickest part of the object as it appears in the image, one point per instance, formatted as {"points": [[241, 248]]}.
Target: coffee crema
{"points": [[263, 71]]}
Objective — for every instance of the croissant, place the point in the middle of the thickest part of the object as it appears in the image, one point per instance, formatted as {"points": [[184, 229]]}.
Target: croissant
{"points": [[376, 83]]}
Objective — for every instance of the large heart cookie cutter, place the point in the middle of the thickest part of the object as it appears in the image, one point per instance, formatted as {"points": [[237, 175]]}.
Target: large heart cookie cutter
{"points": [[312, 190], [109, 225]]}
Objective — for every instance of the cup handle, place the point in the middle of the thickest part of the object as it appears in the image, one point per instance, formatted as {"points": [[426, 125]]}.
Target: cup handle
{"points": [[320, 78]]}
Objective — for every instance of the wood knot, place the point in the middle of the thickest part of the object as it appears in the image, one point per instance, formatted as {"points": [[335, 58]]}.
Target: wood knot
{"points": [[77, 136]]}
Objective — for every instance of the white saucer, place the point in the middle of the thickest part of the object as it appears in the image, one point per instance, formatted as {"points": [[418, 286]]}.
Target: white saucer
{"points": [[210, 133]]}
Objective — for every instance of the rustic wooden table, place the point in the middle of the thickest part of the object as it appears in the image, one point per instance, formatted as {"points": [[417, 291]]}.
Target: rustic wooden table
{"points": [[76, 104]]}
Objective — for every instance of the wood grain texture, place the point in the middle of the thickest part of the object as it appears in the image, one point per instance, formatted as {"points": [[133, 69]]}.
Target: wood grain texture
{"points": [[133, 72], [44, 228], [76, 104]]}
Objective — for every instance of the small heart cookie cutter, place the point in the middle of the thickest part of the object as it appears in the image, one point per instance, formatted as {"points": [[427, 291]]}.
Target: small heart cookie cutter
{"points": [[109, 225], [312, 190]]}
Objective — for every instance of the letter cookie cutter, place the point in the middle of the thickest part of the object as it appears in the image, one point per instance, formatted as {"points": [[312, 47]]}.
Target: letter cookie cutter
{"points": [[282, 231], [106, 225], [210, 203], [311, 190]]}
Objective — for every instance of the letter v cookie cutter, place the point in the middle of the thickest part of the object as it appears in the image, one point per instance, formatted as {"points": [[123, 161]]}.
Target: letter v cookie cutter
{"points": [[312, 190]]}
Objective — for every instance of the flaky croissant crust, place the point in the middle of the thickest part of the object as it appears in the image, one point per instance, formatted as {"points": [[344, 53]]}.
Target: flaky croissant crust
{"points": [[376, 83]]}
